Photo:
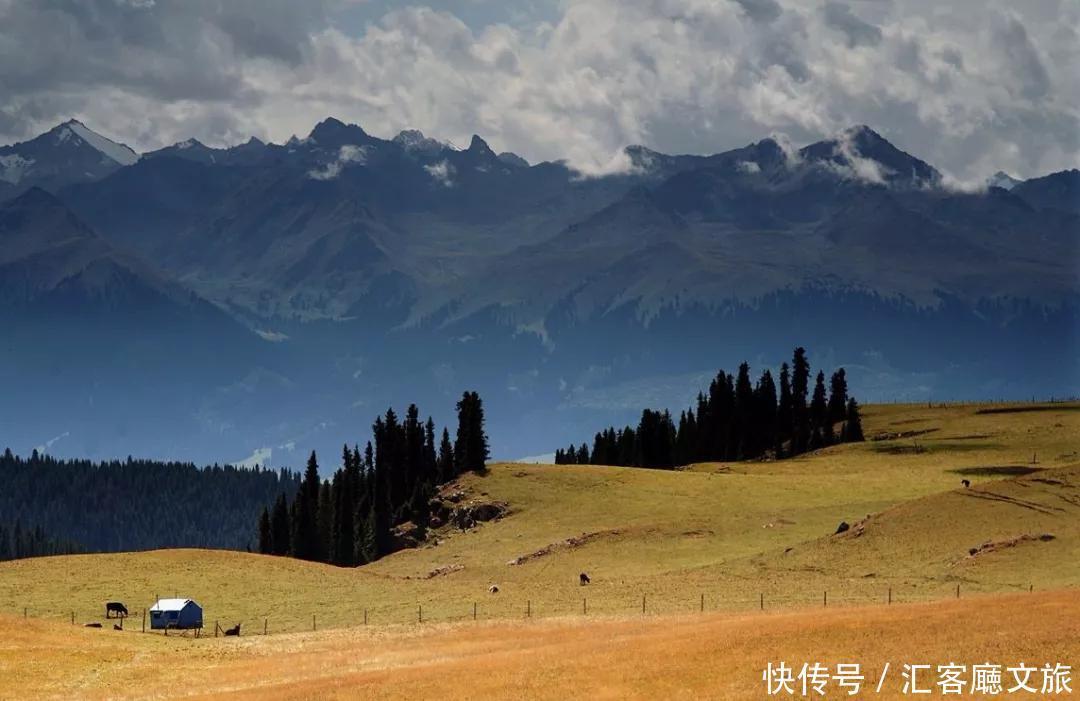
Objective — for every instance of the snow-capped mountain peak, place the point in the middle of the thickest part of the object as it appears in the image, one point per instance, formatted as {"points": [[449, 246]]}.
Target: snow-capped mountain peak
{"points": [[1003, 180], [73, 128]]}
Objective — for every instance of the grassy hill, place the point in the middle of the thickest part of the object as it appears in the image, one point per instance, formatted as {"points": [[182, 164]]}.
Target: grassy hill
{"points": [[735, 534]]}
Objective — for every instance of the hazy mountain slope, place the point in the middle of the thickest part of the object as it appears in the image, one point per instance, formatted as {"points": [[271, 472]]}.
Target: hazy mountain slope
{"points": [[99, 348], [379, 272], [1059, 191]]}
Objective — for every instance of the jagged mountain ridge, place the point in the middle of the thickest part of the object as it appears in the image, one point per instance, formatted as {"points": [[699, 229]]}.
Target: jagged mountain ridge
{"points": [[434, 218], [379, 271]]}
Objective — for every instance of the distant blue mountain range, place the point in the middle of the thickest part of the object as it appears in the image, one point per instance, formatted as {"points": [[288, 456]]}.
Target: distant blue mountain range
{"points": [[248, 302]]}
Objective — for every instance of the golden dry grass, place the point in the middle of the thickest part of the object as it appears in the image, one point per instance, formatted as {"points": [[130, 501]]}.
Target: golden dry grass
{"points": [[710, 656], [735, 534], [729, 532]]}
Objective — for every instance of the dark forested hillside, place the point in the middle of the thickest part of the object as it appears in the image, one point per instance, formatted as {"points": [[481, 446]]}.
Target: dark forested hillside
{"points": [[352, 519], [134, 504], [735, 420]]}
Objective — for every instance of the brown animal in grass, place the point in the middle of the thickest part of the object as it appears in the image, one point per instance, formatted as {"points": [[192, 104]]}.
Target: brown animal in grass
{"points": [[584, 579], [234, 631], [966, 483]]}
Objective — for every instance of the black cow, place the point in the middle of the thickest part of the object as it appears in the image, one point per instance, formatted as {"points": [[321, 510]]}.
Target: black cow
{"points": [[584, 579], [966, 483], [234, 631], [115, 607]]}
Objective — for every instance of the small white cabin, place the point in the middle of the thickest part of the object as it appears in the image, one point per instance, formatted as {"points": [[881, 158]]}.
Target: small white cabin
{"points": [[183, 614]]}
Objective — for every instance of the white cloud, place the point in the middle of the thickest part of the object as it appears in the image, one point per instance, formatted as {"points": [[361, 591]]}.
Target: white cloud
{"points": [[970, 86], [442, 172], [855, 166], [346, 154]]}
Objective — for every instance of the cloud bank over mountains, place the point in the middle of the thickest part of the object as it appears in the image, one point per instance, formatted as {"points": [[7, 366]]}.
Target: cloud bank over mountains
{"points": [[982, 85]]}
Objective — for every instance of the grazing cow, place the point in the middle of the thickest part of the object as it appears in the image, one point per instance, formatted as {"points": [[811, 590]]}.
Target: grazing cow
{"points": [[966, 483], [93, 625], [115, 607], [842, 528], [493, 589], [584, 579], [234, 631]]}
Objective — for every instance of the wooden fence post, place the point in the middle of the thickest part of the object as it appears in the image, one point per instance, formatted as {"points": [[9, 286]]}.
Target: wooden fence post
{"points": [[215, 629], [957, 591], [365, 617], [24, 614], [474, 610], [890, 595], [419, 613], [642, 604], [584, 607], [528, 608], [702, 603], [72, 618], [762, 601], [144, 620], [265, 625], [312, 621], [825, 598]]}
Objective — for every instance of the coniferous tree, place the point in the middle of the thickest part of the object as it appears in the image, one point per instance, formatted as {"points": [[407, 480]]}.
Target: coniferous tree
{"points": [[366, 540], [280, 527], [305, 516], [471, 447], [853, 432], [800, 379], [266, 540], [446, 458], [381, 495], [838, 396], [431, 460], [785, 411], [325, 524], [819, 414], [745, 440], [765, 414]]}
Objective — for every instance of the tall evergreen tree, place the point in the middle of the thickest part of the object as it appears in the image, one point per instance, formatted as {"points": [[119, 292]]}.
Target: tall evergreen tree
{"points": [[266, 539], [800, 379], [838, 396], [446, 468], [325, 523], [431, 460], [305, 519], [280, 527], [853, 431], [745, 440], [785, 411], [765, 414], [819, 414], [471, 448]]}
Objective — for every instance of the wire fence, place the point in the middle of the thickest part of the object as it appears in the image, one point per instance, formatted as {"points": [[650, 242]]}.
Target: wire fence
{"points": [[497, 607]]}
